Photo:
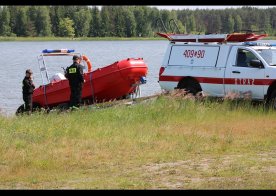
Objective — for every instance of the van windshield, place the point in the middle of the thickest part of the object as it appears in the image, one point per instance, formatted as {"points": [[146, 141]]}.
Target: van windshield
{"points": [[269, 56]]}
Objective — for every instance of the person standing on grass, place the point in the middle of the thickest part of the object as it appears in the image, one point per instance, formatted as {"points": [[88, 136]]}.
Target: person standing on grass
{"points": [[74, 74], [28, 89]]}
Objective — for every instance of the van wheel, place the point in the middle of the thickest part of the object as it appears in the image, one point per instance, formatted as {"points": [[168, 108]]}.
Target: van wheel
{"points": [[190, 86], [272, 100]]}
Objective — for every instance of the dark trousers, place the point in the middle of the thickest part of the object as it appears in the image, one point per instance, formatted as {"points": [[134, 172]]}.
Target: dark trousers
{"points": [[75, 97], [28, 99]]}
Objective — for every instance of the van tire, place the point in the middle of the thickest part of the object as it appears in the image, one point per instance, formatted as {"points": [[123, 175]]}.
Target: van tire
{"points": [[272, 100], [190, 85]]}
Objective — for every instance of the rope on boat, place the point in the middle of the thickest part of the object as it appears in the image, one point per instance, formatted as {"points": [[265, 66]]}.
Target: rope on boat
{"points": [[91, 85]]}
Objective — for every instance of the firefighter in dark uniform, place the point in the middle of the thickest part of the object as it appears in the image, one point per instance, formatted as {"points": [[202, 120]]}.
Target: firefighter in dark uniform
{"points": [[28, 89], [74, 74]]}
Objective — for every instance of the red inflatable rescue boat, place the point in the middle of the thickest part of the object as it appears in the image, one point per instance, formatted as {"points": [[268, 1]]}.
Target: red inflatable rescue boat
{"points": [[114, 81]]}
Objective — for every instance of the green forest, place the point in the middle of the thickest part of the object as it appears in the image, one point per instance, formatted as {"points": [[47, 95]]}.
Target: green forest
{"points": [[129, 21]]}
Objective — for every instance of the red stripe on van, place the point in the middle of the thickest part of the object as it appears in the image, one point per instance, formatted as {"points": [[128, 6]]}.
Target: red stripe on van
{"points": [[219, 80]]}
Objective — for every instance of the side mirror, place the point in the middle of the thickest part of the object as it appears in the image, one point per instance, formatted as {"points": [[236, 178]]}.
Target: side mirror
{"points": [[256, 63]]}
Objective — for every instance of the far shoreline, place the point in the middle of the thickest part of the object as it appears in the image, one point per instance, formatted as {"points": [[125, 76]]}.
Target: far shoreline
{"points": [[4, 39]]}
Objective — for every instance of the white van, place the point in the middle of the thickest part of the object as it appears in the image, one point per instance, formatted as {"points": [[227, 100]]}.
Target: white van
{"points": [[217, 68]]}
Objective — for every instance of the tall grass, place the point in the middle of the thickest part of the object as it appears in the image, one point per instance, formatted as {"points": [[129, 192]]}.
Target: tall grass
{"points": [[167, 142]]}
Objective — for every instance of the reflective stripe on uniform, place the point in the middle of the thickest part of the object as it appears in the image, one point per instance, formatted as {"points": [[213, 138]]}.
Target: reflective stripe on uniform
{"points": [[72, 70]]}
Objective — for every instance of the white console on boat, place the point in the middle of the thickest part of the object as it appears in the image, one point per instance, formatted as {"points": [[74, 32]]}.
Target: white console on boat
{"points": [[57, 77]]}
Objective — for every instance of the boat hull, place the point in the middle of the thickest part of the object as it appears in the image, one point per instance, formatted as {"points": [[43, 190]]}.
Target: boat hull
{"points": [[103, 84]]}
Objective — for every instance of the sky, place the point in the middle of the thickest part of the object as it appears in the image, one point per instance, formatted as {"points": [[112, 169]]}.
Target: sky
{"points": [[203, 7], [191, 7]]}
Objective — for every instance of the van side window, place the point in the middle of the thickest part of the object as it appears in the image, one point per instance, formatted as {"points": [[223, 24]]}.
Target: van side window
{"points": [[244, 57]]}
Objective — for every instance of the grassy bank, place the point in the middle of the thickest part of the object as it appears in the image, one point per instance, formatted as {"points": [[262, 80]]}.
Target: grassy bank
{"points": [[167, 142], [77, 39]]}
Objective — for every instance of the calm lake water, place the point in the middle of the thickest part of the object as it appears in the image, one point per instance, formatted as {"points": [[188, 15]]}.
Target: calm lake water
{"points": [[16, 57]]}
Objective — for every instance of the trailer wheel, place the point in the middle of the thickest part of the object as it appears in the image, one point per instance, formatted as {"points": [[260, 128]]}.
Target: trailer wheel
{"points": [[36, 107], [63, 106], [20, 110], [190, 85]]}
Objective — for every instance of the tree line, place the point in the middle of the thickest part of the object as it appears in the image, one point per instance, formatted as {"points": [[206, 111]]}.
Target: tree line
{"points": [[129, 21]]}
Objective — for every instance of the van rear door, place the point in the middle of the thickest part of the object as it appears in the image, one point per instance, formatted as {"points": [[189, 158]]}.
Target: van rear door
{"points": [[201, 62]]}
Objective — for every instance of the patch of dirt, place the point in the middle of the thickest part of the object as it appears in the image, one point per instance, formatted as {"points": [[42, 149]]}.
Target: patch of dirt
{"points": [[192, 173], [271, 169]]}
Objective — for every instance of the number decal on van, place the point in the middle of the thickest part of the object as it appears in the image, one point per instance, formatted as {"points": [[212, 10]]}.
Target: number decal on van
{"points": [[194, 53]]}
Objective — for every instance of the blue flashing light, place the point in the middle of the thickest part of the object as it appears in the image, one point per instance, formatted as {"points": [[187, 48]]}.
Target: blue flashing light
{"points": [[258, 44], [143, 80], [57, 51]]}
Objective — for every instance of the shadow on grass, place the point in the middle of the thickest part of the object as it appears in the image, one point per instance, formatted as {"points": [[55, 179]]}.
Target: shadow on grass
{"points": [[231, 101]]}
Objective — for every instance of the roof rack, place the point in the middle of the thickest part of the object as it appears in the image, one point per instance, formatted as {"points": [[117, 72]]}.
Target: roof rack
{"points": [[246, 36], [221, 38]]}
